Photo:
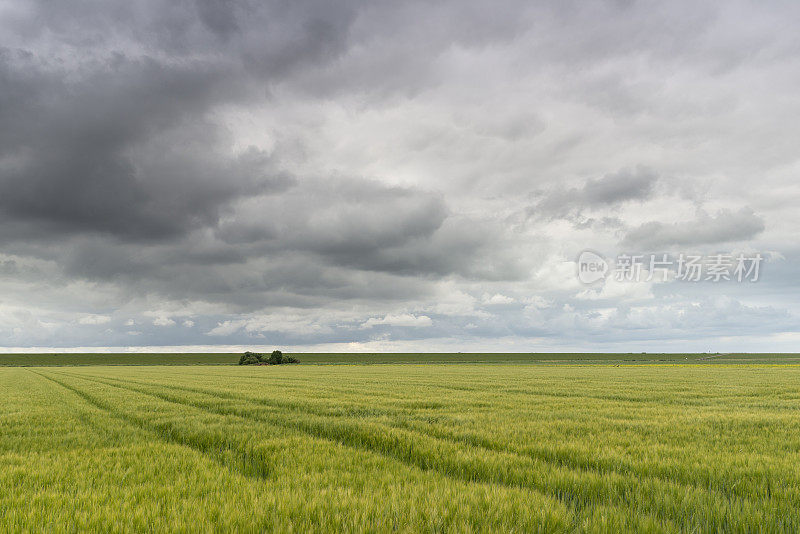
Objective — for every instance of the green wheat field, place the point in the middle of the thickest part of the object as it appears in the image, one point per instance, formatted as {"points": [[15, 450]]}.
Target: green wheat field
{"points": [[476, 447]]}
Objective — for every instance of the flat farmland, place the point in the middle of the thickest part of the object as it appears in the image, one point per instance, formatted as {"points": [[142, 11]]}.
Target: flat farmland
{"points": [[446, 448], [367, 358]]}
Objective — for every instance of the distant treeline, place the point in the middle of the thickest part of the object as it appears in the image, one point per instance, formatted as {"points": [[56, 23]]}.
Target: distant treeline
{"points": [[276, 358]]}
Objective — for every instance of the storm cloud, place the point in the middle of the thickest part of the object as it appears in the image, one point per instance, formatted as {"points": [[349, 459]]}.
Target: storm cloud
{"points": [[385, 175], [724, 227], [607, 191]]}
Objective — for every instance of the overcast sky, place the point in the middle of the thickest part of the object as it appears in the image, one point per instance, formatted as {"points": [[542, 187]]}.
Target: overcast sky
{"points": [[323, 175]]}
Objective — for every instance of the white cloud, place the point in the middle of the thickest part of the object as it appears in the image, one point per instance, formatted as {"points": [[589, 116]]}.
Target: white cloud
{"points": [[538, 302], [94, 319], [497, 298], [621, 291], [226, 328], [401, 319]]}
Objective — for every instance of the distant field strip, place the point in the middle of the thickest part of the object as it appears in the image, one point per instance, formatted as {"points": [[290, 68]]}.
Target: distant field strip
{"points": [[130, 358], [460, 447]]}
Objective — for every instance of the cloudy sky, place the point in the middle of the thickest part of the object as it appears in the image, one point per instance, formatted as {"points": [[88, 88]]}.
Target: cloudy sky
{"points": [[325, 175]]}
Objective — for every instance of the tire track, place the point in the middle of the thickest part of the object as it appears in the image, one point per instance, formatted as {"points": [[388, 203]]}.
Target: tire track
{"points": [[250, 463], [314, 431], [555, 458], [606, 398], [83, 415], [626, 488]]}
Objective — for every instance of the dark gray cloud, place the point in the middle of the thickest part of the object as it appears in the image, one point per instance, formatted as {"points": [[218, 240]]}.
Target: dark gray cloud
{"points": [[607, 191], [724, 227], [111, 133], [119, 150], [319, 241]]}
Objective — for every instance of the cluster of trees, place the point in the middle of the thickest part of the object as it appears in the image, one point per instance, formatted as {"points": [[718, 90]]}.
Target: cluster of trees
{"points": [[276, 358]]}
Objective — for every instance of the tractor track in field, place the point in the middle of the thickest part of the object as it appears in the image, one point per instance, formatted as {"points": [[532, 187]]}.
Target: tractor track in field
{"points": [[80, 414], [559, 460], [610, 398], [393, 449], [250, 464], [572, 506]]}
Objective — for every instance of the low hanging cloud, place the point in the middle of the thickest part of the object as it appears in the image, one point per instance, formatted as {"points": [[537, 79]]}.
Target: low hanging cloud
{"points": [[94, 319], [402, 319], [610, 190], [724, 227], [164, 321]]}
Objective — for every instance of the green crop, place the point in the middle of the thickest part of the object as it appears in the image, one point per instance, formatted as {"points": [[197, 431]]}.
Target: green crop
{"points": [[445, 448]]}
